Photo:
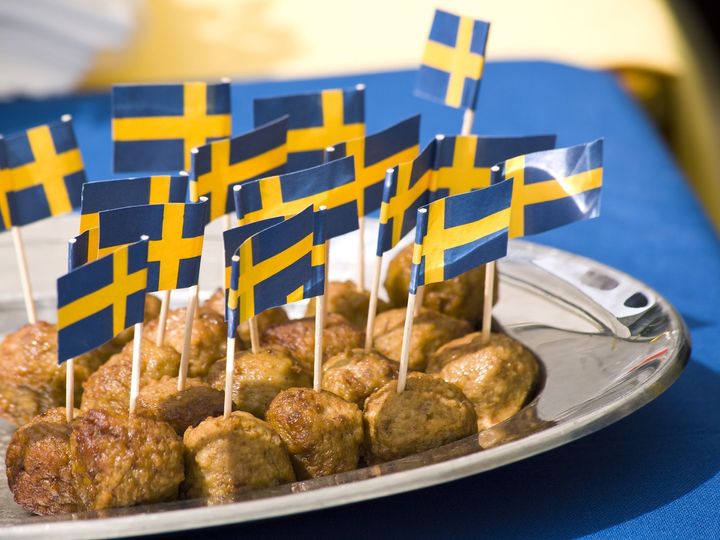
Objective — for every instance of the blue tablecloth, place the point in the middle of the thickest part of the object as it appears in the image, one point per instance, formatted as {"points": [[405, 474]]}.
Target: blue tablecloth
{"points": [[652, 475]]}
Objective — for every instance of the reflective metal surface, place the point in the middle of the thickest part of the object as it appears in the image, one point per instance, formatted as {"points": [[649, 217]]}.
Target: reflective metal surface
{"points": [[608, 343]]}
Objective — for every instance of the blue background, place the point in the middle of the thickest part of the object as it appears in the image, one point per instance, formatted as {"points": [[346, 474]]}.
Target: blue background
{"points": [[652, 475]]}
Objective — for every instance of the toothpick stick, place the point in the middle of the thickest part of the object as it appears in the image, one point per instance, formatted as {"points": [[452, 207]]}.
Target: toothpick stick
{"points": [[187, 338], [135, 374], [488, 300], [320, 312], [405, 351], [227, 222], [361, 254], [69, 389], [420, 299], [229, 372], [372, 307], [24, 274], [254, 335], [162, 319], [468, 120]]}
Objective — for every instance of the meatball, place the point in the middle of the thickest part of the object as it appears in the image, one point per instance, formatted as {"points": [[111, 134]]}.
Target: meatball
{"points": [[428, 413], [460, 297], [265, 320], [344, 298], [322, 431], [430, 330], [161, 400], [152, 311], [354, 375], [31, 381], [298, 336], [208, 338], [109, 387], [38, 466], [226, 455], [120, 460], [259, 377], [498, 377]]}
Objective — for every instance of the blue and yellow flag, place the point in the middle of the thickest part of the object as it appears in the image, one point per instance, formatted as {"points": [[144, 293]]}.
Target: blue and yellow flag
{"points": [[279, 265], [332, 185], [316, 120], [553, 188], [223, 164], [459, 233], [448, 165], [453, 61], [84, 248], [99, 300], [376, 153], [175, 233], [112, 194], [43, 173], [154, 126]]}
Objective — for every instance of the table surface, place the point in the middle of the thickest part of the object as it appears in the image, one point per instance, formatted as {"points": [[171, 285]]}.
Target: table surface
{"points": [[655, 473]]}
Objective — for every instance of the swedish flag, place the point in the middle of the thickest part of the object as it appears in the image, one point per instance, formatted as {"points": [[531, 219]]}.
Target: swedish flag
{"points": [[5, 189], [316, 120], [84, 248], [232, 238], [332, 185], [453, 61], [458, 233], [155, 126], [279, 265], [175, 234], [101, 299], [553, 188], [376, 153], [220, 165], [111, 194], [463, 162], [44, 173]]}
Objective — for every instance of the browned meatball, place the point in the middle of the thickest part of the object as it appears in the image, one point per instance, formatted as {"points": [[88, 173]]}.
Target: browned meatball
{"points": [[354, 375], [109, 387], [259, 377], [298, 336], [120, 460], [226, 455], [497, 377], [460, 297], [344, 298], [430, 330], [265, 320], [429, 413], [152, 311], [38, 466], [208, 338], [31, 380], [161, 400], [322, 431]]}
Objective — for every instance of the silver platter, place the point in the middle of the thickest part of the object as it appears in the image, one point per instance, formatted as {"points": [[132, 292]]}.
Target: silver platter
{"points": [[609, 345]]}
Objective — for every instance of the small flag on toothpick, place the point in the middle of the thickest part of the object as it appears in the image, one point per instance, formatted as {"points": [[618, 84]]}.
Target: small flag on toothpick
{"points": [[219, 166], [553, 188], [154, 126], [316, 120], [112, 194]]}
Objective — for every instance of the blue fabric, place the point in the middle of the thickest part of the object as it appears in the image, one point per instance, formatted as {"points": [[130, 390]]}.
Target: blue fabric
{"points": [[651, 475]]}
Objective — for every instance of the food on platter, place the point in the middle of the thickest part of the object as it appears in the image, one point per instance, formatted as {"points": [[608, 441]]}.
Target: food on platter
{"points": [[428, 413], [298, 337], [344, 298], [265, 320], [355, 374], [431, 329], [181, 409], [259, 377], [207, 342], [322, 431], [498, 376], [224, 456], [109, 387], [460, 297]]}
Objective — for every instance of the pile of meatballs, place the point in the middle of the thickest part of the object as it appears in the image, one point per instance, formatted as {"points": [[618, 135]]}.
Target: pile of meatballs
{"points": [[179, 445]]}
